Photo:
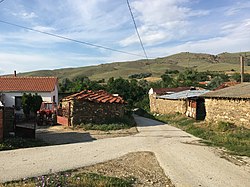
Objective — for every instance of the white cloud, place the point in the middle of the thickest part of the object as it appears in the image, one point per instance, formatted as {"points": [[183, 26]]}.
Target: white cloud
{"points": [[236, 39], [160, 21], [236, 8], [25, 15], [25, 62], [44, 28]]}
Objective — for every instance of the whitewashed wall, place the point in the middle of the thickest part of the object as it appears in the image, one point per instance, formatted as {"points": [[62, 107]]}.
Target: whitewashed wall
{"points": [[9, 97]]}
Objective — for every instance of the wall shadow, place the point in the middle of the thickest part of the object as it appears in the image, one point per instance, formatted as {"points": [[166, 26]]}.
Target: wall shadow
{"points": [[58, 138]]}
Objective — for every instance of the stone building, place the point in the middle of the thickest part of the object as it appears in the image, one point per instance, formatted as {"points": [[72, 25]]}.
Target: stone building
{"points": [[163, 106], [185, 102], [230, 104], [91, 107]]}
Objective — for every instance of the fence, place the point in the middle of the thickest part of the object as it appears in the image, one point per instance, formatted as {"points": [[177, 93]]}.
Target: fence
{"points": [[6, 122]]}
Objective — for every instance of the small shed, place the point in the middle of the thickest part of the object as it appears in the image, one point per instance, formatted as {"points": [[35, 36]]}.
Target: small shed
{"points": [[192, 105], [91, 107], [231, 104]]}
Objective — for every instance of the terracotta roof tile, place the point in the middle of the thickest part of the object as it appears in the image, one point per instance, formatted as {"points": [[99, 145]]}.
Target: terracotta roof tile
{"points": [[28, 84], [163, 91], [100, 96], [226, 84]]}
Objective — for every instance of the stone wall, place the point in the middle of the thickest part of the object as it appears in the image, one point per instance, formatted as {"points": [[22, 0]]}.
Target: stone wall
{"points": [[91, 112], [1, 125], [228, 110], [165, 106]]}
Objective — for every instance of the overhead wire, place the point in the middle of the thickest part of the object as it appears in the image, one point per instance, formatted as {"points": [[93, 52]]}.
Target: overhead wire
{"points": [[1, 1], [70, 39], [132, 16]]}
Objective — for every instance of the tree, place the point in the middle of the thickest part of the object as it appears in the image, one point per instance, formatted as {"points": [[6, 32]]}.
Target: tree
{"points": [[27, 104], [36, 103], [168, 81], [215, 83], [31, 103]]}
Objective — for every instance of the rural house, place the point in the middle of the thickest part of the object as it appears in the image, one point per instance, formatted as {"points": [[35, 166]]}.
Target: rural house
{"points": [[230, 104], [90, 107], [13, 87], [186, 102]]}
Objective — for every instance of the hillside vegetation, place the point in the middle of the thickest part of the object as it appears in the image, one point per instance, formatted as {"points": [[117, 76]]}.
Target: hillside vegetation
{"points": [[202, 62]]}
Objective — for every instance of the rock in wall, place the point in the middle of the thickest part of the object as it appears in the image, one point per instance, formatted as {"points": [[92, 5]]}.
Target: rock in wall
{"points": [[235, 111]]}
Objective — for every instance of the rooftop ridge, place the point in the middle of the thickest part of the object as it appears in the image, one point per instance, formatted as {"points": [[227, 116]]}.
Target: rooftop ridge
{"points": [[28, 77]]}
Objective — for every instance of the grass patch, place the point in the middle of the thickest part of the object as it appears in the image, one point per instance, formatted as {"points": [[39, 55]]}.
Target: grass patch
{"points": [[16, 143], [72, 179], [224, 134], [115, 124]]}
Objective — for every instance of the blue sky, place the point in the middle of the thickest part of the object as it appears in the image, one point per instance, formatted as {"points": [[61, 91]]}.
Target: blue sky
{"points": [[166, 27]]}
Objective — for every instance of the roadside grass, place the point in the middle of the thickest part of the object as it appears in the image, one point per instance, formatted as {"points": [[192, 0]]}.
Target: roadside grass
{"points": [[16, 143], [116, 124], [72, 179], [224, 134]]}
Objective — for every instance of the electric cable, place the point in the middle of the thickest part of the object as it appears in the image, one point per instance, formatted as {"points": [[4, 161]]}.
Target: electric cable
{"points": [[70, 39]]}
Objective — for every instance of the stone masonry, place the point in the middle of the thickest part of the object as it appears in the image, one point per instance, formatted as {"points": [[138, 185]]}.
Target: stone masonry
{"points": [[1, 125], [165, 106], [82, 111], [235, 111]]}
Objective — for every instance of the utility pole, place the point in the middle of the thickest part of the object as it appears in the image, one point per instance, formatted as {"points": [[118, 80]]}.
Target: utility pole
{"points": [[242, 64]]}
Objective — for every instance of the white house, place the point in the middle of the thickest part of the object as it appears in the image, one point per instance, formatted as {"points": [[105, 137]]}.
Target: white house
{"points": [[13, 87]]}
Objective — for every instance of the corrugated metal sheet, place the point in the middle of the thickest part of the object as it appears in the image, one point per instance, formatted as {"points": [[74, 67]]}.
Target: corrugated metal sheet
{"points": [[184, 94]]}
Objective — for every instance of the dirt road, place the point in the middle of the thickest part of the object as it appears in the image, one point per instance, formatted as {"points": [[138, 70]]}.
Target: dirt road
{"points": [[185, 162]]}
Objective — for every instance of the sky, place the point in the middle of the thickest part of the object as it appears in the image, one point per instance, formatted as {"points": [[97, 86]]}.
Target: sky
{"points": [[166, 27]]}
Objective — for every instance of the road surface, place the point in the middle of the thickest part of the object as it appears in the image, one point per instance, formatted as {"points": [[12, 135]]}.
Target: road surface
{"points": [[185, 163]]}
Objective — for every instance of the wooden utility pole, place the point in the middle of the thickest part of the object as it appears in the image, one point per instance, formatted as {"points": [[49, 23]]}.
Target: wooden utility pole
{"points": [[242, 64]]}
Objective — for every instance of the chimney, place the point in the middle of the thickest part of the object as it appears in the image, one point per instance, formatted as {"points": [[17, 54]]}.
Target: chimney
{"points": [[15, 73], [242, 68]]}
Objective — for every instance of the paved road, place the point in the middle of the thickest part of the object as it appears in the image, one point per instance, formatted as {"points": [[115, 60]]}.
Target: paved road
{"points": [[185, 163]]}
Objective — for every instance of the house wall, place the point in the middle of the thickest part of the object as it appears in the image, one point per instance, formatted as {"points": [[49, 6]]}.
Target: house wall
{"points": [[228, 110], [9, 97], [90, 112], [55, 93], [164, 106]]}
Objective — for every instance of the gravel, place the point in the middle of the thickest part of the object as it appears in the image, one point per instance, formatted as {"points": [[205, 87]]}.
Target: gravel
{"points": [[143, 166]]}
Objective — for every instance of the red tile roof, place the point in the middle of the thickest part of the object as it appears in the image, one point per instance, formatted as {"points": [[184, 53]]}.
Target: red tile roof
{"points": [[226, 84], [100, 96], [28, 84], [163, 91]]}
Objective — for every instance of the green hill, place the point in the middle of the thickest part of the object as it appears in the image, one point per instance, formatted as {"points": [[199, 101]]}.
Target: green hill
{"points": [[201, 62]]}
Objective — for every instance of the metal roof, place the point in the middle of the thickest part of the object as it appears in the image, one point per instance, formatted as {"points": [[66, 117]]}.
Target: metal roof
{"points": [[184, 94], [238, 91]]}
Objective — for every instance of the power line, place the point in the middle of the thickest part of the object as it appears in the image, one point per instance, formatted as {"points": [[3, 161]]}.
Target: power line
{"points": [[137, 30], [70, 39], [1, 1]]}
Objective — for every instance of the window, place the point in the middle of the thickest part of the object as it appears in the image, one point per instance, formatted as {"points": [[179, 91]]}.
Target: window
{"points": [[18, 102], [54, 98]]}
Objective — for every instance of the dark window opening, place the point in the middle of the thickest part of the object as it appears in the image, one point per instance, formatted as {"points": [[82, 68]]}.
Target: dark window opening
{"points": [[18, 102]]}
